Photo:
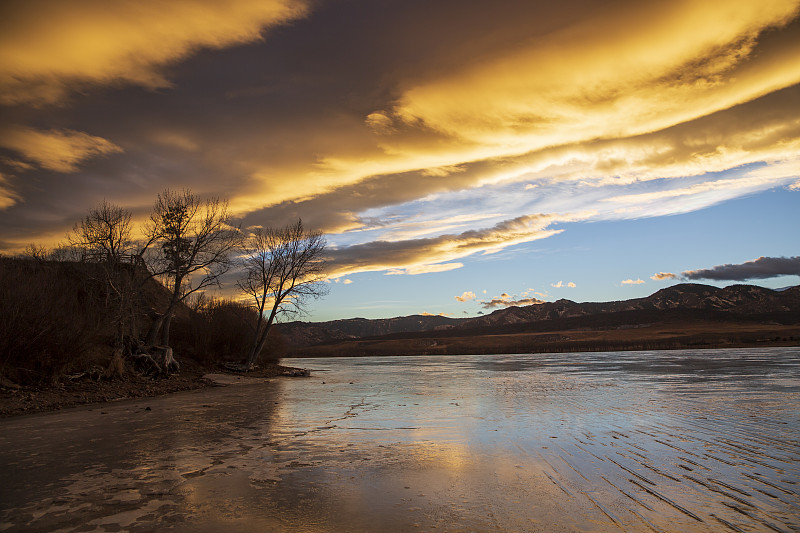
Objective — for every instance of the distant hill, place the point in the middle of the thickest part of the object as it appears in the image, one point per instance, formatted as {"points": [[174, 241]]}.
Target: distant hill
{"points": [[726, 312], [301, 334]]}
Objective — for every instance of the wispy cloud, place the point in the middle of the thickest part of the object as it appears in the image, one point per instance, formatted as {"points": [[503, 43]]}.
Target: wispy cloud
{"points": [[561, 284], [419, 256], [776, 172], [424, 269], [761, 268], [7, 196], [58, 150]]}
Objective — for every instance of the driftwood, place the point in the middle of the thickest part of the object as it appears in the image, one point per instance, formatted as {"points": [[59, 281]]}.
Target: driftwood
{"points": [[153, 359], [244, 368], [6, 383], [297, 372], [238, 367]]}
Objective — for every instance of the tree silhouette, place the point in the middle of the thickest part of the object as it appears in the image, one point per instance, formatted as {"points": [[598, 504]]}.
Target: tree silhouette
{"points": [[190, 242], [104, 234], [283, 267]]}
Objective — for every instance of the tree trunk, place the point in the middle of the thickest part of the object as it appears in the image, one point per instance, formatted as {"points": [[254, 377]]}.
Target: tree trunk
{"points": [[155, 328], [251, 355], [164, 320], [258, 346], [257, 349], [165, 329]]}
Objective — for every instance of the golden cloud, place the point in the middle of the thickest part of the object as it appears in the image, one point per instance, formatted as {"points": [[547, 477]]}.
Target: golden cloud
{"points": [[692, 144], [58, 150], [621, 74], [49, 46], [466, 296]]}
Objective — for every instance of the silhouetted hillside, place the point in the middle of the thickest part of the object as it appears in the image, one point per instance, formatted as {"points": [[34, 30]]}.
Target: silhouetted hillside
{"points": [[62, 318]]}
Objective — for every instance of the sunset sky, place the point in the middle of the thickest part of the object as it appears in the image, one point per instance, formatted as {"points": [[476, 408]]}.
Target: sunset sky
{"points": [[461, 156]]}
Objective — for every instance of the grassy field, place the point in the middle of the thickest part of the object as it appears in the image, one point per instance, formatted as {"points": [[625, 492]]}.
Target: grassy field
{"points": [[664, 336]]}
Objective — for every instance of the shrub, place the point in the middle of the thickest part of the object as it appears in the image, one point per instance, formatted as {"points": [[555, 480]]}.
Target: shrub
{"points": [[50, 315], [220, 330]]}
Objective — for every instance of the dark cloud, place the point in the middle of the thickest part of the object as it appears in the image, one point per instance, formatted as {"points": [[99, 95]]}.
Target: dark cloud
{"points": [[761, 268], [505, 302]]}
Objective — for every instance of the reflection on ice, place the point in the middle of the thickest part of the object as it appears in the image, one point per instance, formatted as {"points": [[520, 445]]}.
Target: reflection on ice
{"points": [[664, 441]]}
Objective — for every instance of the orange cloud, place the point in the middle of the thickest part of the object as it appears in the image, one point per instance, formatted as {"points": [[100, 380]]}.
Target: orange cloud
{"points": [[47, 47]]}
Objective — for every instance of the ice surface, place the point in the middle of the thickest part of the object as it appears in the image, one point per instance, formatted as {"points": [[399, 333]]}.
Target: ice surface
{"points": [[634, 441]]}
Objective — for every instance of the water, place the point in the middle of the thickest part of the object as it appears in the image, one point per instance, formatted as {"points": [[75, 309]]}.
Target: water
{"points": [[634, 441]]}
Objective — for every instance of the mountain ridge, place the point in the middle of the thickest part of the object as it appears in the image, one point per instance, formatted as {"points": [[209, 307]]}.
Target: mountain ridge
{"points": [[698, 301]]}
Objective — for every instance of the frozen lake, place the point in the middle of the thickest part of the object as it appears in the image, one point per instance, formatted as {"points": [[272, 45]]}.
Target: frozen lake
{"points": [[634, 441]]}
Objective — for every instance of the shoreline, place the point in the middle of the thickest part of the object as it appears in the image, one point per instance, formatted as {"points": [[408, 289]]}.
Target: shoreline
{"points": [[28, 400], [25, 400]]}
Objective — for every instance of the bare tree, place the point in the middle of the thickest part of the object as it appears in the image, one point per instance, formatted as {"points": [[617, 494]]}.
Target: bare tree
{"points": [[283, 267], [189, 245], [37, 252], [104, 234]]}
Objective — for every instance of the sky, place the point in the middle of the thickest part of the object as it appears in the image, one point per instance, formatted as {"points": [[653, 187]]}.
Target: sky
{"points": [[460, 156]]}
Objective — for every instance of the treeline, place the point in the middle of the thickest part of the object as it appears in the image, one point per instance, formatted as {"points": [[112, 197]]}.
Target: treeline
{"points": [[106, 299]]}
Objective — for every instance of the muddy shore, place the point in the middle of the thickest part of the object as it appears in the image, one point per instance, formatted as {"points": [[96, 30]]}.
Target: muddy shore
{"points": [[19, 400]]}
